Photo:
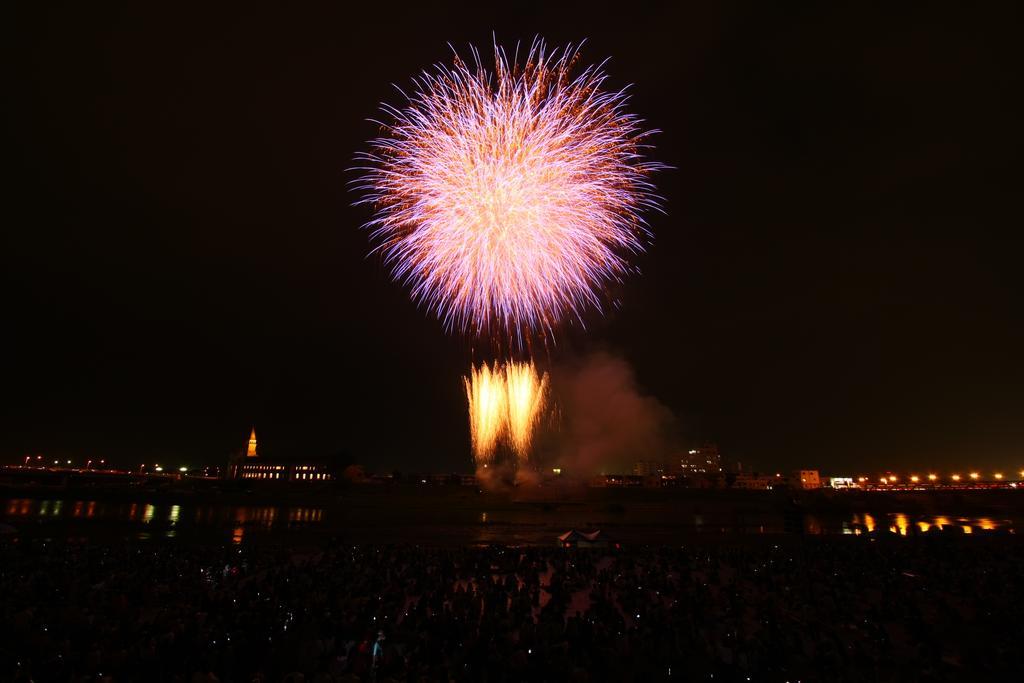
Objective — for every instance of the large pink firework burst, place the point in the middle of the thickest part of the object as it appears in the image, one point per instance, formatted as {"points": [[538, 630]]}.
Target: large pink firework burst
{"points": [[509, 200]]}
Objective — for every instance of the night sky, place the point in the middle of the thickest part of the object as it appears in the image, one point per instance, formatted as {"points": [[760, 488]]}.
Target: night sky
{"points": [[836, 284]]}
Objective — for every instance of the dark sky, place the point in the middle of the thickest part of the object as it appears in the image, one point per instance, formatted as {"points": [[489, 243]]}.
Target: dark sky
{"points": [[836, 284]]}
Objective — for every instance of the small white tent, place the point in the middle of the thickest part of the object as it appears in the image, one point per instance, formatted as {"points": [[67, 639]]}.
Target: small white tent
{"points": [[583, 539]]}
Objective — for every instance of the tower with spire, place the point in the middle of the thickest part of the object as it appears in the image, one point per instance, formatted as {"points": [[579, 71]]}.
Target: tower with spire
{"points": [[251, 453], [254, 466]]}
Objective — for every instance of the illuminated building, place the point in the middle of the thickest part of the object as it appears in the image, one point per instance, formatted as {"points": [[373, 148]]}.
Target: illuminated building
{"points": [[284, 471], [805, 479], [648, 468], [703, 460], [260, 468]]}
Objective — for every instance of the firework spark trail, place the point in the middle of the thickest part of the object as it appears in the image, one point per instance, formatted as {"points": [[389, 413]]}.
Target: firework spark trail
{"points": [[508, 201], [527, 393], [488, 409]]}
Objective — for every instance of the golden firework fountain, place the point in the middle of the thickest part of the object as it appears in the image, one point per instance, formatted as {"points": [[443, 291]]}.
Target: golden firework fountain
{"points": [[505, 406]]}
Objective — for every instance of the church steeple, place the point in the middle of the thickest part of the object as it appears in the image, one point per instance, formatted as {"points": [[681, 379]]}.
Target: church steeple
{"points": [[251, 453]]}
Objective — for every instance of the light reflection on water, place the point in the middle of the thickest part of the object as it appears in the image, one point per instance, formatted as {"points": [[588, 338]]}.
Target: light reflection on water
{"points": [[901, 524], [238, 518], [158, 520]]}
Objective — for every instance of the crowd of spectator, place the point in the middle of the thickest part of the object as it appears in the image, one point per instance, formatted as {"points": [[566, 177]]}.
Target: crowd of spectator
{"points": [[849, 608]]}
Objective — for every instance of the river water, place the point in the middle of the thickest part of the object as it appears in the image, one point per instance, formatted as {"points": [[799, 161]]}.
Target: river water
{"points": [[512, 525]]}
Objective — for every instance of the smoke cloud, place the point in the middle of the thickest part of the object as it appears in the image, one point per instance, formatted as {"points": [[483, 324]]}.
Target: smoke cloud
{"points": [[605, 422]]}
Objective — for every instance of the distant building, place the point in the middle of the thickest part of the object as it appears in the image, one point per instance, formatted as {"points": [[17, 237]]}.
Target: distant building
{"points": [[805, 479], [615, 481], [648, 468], [447, 479], [257, 467], [703, 461], [277, 470], [756, 482], [842, 483]]}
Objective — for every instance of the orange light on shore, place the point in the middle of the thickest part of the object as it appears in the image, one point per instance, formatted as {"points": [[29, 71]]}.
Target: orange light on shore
{"points": [[974, 475], [999, 475], [955, 477], [914, 478], [932, 477]]}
